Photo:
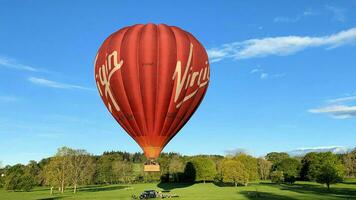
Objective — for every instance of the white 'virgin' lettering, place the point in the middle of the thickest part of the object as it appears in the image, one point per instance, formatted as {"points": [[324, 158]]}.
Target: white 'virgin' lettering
{"points": [[104, 76]]}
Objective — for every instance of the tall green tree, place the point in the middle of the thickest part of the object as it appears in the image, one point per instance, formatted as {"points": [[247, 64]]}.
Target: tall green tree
{"points": [[205, 169], [234, 171], [124, 171], [325, 168], [306, 162], [190, 172], [290, 168], [276, 157], [175, 167], [330, 173], [250, 164]]}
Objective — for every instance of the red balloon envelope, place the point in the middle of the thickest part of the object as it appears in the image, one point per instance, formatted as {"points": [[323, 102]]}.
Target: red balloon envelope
{"points": [[152, 78]]}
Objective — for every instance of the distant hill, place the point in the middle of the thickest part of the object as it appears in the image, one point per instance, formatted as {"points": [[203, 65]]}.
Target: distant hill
{"points": [[333, 149]]}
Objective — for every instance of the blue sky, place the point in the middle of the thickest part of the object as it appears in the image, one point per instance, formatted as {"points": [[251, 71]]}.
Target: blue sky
{"points": [[282, 75]]}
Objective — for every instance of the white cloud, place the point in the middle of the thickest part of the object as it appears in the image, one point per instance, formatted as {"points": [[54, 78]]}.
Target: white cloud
{"points": [[280, 46], [53, 84], [343, 99], [337, 111], [10, 63]]}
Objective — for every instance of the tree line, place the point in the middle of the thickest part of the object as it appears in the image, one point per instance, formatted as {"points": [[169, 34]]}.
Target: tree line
{"points": [[71, 168]]}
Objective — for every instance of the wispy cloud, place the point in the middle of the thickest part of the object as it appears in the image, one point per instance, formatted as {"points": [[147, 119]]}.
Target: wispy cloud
{"points": [[13, 64], [8, 99], [306, 13], [264, 75], [342, 100], [338, 13], [337, 111], [254, 71], [280, 46], [54, 84], [339, 108]]}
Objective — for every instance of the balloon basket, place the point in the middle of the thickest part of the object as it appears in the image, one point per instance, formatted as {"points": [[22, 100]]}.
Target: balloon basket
{"points": [[151, 166]]}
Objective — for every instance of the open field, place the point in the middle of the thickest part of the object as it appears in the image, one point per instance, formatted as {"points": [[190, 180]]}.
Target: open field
{"points": [[262, 190]]}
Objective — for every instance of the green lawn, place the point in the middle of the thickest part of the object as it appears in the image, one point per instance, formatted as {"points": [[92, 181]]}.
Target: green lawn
{"points": [[263, 191]]}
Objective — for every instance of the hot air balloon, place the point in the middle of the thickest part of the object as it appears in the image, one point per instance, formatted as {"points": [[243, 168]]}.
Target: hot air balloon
{"points": [[152, 79]]}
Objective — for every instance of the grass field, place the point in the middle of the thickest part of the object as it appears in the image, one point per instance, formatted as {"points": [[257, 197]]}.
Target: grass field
{"points": [[262, 190]]}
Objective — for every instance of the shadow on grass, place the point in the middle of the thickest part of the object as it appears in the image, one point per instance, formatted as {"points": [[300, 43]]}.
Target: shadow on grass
{"points": [[222, 184], [264, 195], [320, 190], [170, 186], [100, 188], [350, 182], [316, 189], [51, 198]]}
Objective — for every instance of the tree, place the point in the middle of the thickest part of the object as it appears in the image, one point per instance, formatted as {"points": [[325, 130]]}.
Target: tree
{"points": [[34, 171], [277, 177], [55, 174], [190, 172], [124, 171], [205, 169], [326, 168], [175, 167], [330, 173], [57, 171], [276, 157], [2, 175], [349, 161], [81, 167], [250, 164], [234, 171], [17, 178], [290, 168], [264, 168], [105, 171], [307, 160]]}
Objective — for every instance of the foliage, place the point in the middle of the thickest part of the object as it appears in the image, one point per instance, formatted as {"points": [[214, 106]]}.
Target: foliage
{"points": [[349, 161], [250, 164], [264, 168], [209, 191], [330, 173], [277, 177], [290, 168], [276, 157], [205, 169], [189, 172], [81, 168], [325, 168], [18, 178], [71, 168], [233, 171]]}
